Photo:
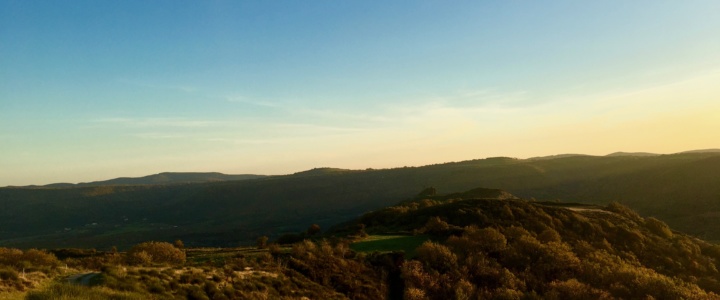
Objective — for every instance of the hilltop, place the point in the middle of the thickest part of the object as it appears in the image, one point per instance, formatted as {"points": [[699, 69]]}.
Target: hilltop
{"points": [[479, 247], [632, 154]]}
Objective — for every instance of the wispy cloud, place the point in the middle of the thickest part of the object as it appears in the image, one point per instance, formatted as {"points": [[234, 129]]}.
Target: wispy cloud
{"points": [[376, 116], [480, 104], [244, 100], [244, 141], [159, 122], [158, 136], [487, 97], [304, 110], [283, 133], [148, 84], [315, 128]]}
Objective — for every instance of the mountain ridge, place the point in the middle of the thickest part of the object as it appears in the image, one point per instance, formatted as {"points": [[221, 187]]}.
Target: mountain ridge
{"points": [[632, 154], [201, 177], [159, 178], [680, 189]]}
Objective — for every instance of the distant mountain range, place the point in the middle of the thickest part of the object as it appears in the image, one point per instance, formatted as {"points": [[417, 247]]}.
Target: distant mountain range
{"points": [[703, 151], [632, 154], [680, 189], [161, 178], [655, 154], [202, 177]]}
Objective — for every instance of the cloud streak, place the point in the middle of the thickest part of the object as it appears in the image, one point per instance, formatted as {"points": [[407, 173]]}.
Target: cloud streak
{"points": [[158, 136], [160, 122], [167, 87]]}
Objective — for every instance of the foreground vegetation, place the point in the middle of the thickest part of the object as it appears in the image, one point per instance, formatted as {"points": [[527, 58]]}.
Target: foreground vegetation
{"points": [[515, 249], [24, 270], [483, 244], [157, 270]]}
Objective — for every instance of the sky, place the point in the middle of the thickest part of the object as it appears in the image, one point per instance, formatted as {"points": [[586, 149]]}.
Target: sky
{"points": [[93, 90]]}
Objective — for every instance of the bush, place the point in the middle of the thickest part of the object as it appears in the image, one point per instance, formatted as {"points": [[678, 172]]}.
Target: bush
{"points": [[549, 235], [437, 256], [435, 225], [71, 291], [658, 227], [624, 211], [8, 274], [155, 252], [10, 256], [32, 258], [139, 258]]}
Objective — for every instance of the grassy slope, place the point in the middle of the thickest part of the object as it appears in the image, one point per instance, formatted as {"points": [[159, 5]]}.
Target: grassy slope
{"points": [[388, 243]]}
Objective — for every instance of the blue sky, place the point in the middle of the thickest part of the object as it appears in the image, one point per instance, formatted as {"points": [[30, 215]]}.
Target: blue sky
{"points": [[92, 90]]}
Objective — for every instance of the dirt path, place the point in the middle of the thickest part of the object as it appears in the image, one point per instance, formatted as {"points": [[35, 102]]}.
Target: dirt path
{"points": [[82, 278], [584, 209]]}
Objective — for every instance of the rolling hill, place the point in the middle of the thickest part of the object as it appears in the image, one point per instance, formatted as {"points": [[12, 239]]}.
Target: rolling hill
{"points": [[481, 246], [680, 189], [161, 178]]}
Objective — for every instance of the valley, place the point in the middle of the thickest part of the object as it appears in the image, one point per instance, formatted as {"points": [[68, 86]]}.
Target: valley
{"points": [[680, 189]]}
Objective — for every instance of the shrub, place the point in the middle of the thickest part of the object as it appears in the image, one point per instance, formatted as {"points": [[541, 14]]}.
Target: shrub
{"points": [[549, 235], [32, 258], [624, 211], [70, 291], [139, 258], [488, 239], [155, 252], [658, 227], [274, 249], [40, 258], [573, 289], [437, 256], [8, 274], [435, 225], [10, 256]]}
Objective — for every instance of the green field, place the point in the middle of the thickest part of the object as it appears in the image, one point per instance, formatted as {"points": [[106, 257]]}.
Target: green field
{"points": [[388, 243]]}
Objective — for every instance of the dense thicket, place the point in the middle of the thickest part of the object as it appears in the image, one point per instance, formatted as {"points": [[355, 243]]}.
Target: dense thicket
{"points": [[513, 249]]}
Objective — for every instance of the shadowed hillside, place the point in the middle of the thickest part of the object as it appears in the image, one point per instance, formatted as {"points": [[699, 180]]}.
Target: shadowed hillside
{"points": [[680, 189]]}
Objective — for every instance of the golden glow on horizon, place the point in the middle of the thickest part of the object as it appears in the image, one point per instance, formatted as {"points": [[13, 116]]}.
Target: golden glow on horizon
{"points": [[669, 118]]}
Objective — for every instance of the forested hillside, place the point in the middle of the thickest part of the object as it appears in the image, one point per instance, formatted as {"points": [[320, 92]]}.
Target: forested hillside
{"points": [[680, 189], [480, 244], [490, 248]]}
